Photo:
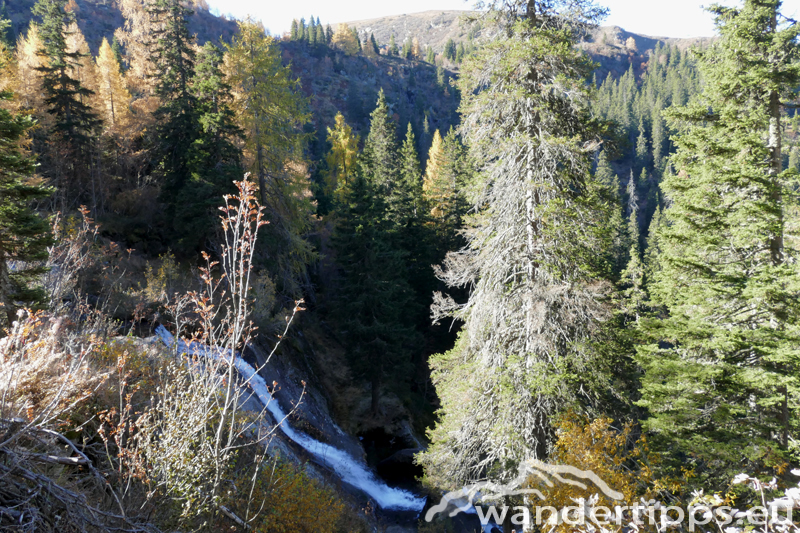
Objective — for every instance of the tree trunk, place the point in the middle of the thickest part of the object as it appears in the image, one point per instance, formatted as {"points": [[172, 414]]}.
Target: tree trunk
{"points": [[262, 180], [5, 291], [776, 166], [776, 163]]}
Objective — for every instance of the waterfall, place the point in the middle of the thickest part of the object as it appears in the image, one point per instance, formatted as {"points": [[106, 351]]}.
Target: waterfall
{"points": [[346, 467]]}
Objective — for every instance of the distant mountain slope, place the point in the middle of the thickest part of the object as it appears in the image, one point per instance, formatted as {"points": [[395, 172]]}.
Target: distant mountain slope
{"points": [[608, 45], [99, 18], [432, 28], [615, 49]]}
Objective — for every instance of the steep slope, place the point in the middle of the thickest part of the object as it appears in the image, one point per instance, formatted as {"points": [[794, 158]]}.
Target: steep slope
{"points": [[336, 82], [616, 50], [99, 18]]}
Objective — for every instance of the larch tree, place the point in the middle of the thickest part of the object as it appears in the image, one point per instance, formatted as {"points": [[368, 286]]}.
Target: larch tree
{"points": [[271, 111], [24, 235], [137, 36], [82, 69], [345, 41], [533, 248], [416, 50], [112, 91], [28, 83], [432, 171], [343, 156], [721, 370]]}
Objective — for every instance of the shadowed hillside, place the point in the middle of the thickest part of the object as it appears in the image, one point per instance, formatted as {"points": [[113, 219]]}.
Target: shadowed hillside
{"points": [[99, 18]]}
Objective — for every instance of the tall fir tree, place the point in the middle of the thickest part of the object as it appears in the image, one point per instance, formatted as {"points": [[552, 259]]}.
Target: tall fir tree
{"points": [[24, 235], [172, 58], [214, 159], [533, 252], [75, 124], [721, 367], [373, 294], [379, 159]]}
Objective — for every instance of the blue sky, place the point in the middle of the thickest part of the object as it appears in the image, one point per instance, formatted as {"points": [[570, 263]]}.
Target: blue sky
{"points": [[668, 18]]}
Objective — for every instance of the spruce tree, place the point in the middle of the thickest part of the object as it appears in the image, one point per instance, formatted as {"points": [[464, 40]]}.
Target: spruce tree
{"points": [[450, 50], [7, 35], [116, 48], [618, 253], [294, 32], [75, 121], [374, 44], [214, 160], [373, 295], [534, 250], [658, 135], [430, 55], [321, 39], [632, 277], [392, 46], [720, 370], [379, 161], [24, 236], [311, 33], [173, 59], [460, 53]]}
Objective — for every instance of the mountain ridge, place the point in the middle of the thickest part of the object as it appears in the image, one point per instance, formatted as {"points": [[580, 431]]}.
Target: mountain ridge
{"points": [[609, 46]]}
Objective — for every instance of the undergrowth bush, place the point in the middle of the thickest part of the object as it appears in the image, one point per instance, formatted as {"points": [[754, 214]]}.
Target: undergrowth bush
{"points": [[100, 432]]}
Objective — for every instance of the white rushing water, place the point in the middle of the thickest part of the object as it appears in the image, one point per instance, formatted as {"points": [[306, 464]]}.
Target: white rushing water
{"points": [[343, 464]]}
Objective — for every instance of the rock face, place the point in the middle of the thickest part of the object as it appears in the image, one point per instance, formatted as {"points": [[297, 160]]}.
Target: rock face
{"points": [[311, 416]]}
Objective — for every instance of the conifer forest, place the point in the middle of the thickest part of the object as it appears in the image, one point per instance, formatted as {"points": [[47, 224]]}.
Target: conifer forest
{"points": [[320, 282]]}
